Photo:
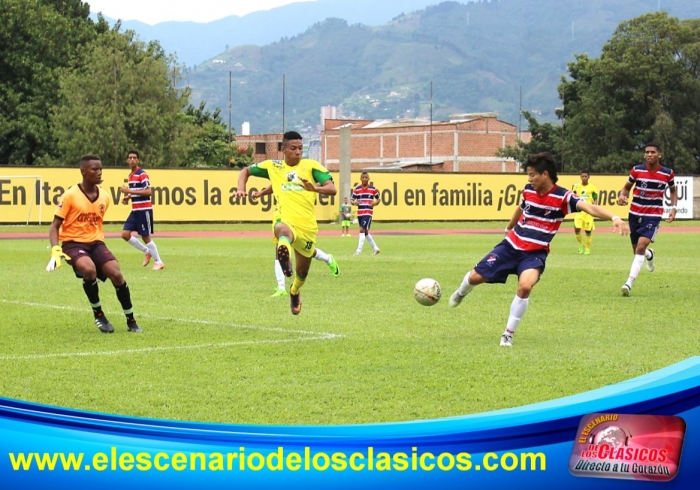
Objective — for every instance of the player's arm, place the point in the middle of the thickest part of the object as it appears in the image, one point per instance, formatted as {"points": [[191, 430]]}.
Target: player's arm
{"points": [[624, 194], [327, 187], [602, 213], [56, 251], [514, 219], [243, 176], [137, 192], [265, 192], [376, 201], [674, 204]]}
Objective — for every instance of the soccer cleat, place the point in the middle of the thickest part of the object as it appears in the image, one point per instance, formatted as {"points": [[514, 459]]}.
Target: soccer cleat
{"points": [[650, 262], [146, 259], [279, 292], [103, 324], [376, 251], [133, 326], [506, 340], [158, 266], [357, 252], [283, 256], [625, 290], [580, 249], [295, 303], [333, 265], [455, 299], [587, 251]]}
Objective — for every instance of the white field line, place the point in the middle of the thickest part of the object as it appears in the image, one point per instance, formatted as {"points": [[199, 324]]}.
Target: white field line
{"points": [[309, 336]]}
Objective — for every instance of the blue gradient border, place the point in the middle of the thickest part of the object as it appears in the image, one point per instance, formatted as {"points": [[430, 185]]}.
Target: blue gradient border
{"points": [[549, 428]]}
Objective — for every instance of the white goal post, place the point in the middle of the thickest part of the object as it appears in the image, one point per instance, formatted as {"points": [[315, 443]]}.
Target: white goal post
{"points": [[31, 198]]}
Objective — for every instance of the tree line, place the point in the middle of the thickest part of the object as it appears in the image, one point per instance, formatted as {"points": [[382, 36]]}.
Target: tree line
{"points": [[644, 87], [70, 86]]}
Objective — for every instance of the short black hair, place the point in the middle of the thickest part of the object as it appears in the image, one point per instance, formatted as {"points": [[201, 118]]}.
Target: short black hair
{"points": [[654, 145], [542, 162], [88, 158], [584, 171], [290, 135], [134, 152]]}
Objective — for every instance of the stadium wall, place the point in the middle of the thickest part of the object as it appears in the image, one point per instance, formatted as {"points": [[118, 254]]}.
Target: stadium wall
{"points": [[197, 195]]}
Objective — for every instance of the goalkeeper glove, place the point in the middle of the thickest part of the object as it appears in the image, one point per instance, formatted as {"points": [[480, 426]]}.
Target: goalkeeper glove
{"points": [[56, 256]]}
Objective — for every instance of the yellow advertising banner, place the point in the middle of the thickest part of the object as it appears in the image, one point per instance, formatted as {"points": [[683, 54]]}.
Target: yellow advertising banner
{"points": [[193, 195]]}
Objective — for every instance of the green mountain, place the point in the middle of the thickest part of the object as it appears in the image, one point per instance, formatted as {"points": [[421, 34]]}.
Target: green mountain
{"points": [[478, 57]]}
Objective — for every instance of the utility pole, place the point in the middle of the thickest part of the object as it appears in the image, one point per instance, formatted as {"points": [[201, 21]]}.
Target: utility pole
{"points": [[230, 135], [431, 122], [283, 102]]}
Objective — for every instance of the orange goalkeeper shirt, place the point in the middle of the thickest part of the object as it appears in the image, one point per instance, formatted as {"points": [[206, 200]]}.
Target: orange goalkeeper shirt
{"points": [[82, 218]]}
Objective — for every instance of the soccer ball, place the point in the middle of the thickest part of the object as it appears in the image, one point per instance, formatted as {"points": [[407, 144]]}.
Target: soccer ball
{"points": [[427, 292]]}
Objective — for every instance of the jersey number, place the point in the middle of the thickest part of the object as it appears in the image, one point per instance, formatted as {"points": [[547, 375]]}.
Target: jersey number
{"points": [[309, 245]]}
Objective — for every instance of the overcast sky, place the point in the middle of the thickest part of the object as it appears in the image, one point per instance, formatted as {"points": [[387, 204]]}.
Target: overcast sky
{"points": [[156, 11]]}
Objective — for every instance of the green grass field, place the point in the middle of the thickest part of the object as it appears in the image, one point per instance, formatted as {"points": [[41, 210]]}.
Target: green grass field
{"points": [[216, 348]]}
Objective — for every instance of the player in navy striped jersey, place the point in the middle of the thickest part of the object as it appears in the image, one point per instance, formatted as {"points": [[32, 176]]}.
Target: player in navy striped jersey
{"points": [[524, 249], [649, 180], [365, 196], [141, 218]]}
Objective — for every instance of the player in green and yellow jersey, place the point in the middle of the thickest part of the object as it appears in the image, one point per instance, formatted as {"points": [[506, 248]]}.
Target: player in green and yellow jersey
{"points": [[295, 183], [584, 221]]}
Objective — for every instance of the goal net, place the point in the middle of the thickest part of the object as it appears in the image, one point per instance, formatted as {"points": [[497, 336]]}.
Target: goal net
{"points": [[23, 195]]}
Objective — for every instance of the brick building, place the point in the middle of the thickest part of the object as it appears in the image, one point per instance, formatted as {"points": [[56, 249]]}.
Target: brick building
{"points": [[467, 143], [266, 146]]}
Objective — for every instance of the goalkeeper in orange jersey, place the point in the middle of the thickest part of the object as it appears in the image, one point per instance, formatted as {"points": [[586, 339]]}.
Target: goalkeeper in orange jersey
{"points": [[78, 225]]}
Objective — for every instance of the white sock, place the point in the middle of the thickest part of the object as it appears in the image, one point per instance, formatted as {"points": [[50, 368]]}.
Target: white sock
{"points": [[136, 243], [517, 310], [279, 275], [371, 242], [360, 242], [153, 250], [465, 288], [322, 256], [637, 264], [648, 255]]}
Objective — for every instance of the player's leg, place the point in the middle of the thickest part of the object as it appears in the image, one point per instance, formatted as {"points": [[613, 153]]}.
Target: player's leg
{"points": [[493, 268], [641, 237], [362, 220], [328, 259], [110, 269], [285, 239], [589, 227], [146, 232], [131, 224], [279, 277], [370, 239], [526, 281], [578, 225], [639, 247], [302, 265], [471, 279], [85, 269]]}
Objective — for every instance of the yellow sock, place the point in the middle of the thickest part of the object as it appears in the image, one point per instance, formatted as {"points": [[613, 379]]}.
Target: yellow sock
{"points": [[589, 240], [296, 285], [580, 239]]}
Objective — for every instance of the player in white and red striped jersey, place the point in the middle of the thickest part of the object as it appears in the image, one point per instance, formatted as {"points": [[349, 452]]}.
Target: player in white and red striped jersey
{"points": [[650, 181], [141, 218], [524, 249], [365, 196]]}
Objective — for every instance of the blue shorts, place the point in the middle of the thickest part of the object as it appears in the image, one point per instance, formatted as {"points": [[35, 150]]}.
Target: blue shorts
{"points": [[641, 226], [365, 221], [140, 222], [505, 260]]}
